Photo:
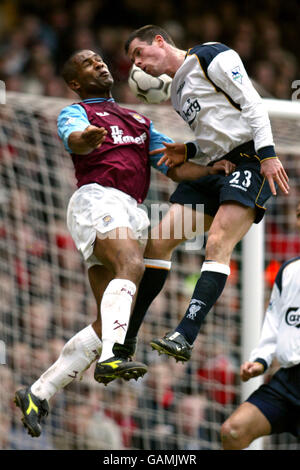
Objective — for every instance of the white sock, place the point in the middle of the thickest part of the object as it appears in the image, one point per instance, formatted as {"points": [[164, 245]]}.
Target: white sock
{"points": [[215, 267], [115, 312], [77, 355]]}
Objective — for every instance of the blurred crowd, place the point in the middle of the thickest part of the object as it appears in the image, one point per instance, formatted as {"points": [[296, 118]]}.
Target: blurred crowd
{"points": [[45, 296], [46, 299], [36, 38]]}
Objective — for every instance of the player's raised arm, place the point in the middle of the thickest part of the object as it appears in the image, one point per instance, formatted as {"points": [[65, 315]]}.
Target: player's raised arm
{"points": [[76, 132], [177, 153]]}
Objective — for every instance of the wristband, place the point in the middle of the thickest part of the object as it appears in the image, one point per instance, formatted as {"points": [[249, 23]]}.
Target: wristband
{"points": [[185, 153], [266, 152], [190, 150], [262, 362], [268, 158]]}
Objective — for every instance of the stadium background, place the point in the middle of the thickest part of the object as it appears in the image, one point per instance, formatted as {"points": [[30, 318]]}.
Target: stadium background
{"points": [[45, 297]]}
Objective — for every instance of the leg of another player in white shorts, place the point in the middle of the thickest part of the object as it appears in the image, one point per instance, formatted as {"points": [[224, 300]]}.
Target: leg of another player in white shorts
{"points": [[246, 424]]}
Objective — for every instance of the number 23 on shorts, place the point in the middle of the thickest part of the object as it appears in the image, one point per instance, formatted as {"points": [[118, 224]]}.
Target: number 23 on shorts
{"points": [[241, 178]]}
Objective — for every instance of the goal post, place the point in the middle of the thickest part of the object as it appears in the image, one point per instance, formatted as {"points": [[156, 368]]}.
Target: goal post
{"points": [[46, 298]]}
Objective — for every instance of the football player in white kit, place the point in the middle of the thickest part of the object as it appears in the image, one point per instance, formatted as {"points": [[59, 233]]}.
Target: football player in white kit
{"points": [[275, 406], [213, 94]]}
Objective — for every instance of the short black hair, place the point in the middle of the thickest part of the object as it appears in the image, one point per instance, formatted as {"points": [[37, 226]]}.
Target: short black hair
{"points": [[69, 70], [147, 33]]}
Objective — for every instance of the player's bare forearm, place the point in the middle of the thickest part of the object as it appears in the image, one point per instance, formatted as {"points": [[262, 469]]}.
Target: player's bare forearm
{"points": [[189, 171], [86, 141]]}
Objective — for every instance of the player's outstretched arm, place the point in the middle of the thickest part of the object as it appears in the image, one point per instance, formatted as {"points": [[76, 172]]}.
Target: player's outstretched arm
{"points": [[273, 171], [251, 369], [189, 171], [88, 140], [173, 154]]}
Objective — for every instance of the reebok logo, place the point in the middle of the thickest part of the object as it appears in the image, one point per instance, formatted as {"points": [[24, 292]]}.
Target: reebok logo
{"points": [[118, 137]]}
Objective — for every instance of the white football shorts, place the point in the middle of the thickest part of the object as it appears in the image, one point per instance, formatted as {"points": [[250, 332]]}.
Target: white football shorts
{"points": [[96, 209]]}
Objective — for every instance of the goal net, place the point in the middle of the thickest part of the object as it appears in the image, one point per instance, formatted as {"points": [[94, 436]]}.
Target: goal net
{"points": [[46, 299]]}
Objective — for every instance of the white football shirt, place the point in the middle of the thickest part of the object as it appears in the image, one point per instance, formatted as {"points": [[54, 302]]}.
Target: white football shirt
{"points": [[212, 92], [280, 334]]}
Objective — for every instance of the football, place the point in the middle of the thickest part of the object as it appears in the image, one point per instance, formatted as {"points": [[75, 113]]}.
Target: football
{"points": [[147, 88]]}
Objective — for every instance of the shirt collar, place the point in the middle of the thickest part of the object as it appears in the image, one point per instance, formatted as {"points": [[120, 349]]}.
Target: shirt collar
{"points": [[97, 100]]}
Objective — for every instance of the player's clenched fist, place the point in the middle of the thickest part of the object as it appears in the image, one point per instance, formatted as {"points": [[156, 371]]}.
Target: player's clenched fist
{"points": [[94, 136], [251, 369]]}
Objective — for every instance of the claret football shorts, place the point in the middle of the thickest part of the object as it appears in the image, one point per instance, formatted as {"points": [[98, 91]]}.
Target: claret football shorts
{"points": [[96, 209]]}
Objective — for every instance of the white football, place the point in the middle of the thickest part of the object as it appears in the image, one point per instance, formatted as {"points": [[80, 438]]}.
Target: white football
{"points": [[147, 88]]}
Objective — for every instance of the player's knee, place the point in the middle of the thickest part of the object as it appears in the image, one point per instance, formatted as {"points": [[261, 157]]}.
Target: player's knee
{"points": [[160, 248], [217, 246], [128, 264], [133, 266], [139, 267], [232, 436]]}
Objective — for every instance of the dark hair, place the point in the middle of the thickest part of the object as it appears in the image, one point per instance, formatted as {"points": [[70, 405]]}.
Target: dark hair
{"points": [[70, 69], [147, 33]]}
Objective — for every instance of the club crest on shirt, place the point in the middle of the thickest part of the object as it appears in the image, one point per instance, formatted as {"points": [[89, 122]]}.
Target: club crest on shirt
{"points": [[107, 219], [236, 74], [138, 117]]}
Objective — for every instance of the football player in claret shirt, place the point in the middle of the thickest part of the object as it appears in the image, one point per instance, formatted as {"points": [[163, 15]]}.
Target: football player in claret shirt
{"points": [[213, 94], [110, 147]]}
